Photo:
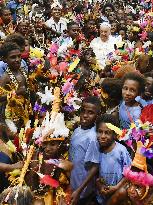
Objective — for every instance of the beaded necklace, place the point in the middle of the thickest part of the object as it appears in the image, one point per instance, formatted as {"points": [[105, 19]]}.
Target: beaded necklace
{"points": [[15, 81]]}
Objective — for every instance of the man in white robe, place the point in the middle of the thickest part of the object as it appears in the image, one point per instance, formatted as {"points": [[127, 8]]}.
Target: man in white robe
{"points": [[104, 44]]}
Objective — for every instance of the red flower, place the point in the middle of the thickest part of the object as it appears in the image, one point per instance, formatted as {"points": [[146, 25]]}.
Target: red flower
{"points": [[48, 180], [115, 67], [146, 114], [74, 52]]}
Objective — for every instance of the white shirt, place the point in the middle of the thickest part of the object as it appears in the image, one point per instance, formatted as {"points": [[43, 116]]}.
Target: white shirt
{"points": [[58, 27], [102, 49]]}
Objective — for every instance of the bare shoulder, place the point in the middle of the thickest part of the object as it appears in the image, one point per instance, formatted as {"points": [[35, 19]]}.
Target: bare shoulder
{"points": [[4, 79]]}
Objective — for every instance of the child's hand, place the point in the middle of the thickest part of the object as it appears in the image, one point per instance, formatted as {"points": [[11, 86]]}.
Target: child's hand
{"points": [[108, 190], [17, 165], [75, 197], [66, 165], [104, 190]]}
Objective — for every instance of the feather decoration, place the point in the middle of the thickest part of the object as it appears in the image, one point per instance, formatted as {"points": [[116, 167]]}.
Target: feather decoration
{"points": [[114, 128], [47, 97], [11, 126], [141, 178]]}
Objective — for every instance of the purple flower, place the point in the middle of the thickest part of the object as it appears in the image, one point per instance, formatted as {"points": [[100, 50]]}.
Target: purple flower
{"points": [[36, 107], [147, 152], [68, 108], [143, 140], [43, 109]]}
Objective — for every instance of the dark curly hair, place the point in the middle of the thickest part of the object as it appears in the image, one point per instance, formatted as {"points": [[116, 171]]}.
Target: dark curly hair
{"points": [[16, 38], [106, 118], [8, 47], [135, 76]]}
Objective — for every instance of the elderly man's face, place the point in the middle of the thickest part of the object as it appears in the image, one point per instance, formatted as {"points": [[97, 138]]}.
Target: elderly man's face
{"points": [[105, 32]]}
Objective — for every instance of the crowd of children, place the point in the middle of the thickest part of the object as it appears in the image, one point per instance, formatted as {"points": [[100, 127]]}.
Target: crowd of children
{"points": [[76, 102]]}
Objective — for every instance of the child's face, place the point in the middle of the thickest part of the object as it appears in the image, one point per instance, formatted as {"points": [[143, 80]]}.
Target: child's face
{"points": [[13, 59], [122, 24], [111, 16], [130, 91], [104, 135], [108, 10], [90, 57], [50, 149], [74, 31], [6, 17], [113, 28], [123, 34], [147, 93], [88, 115], [91, 26], [120, 14], [23, 28], [129, 20]]}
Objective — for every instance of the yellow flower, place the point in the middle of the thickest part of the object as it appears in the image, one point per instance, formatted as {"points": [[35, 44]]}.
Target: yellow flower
{"points": [[150, 53], [132, 125], [120, 44], [137, 52], [15, 173], [36, 53], [136, 29]]}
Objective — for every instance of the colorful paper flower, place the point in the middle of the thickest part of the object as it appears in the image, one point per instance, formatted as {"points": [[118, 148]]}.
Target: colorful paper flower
{"points": [[48, 180]]}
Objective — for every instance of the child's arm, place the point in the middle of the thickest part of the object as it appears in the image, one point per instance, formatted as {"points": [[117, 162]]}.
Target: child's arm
{"points": [[10, 167], [120, 196], [113, 189], [66, 165], [109, 190], [76, 194]]}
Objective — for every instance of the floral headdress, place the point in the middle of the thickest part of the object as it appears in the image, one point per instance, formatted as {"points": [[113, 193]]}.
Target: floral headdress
{"points": [[53, 126]]}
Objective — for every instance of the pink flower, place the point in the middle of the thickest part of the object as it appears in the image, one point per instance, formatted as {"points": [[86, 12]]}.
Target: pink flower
{"points": [[67, 87], [143, 24], [54, 48], [63, 66], [143, 35]]}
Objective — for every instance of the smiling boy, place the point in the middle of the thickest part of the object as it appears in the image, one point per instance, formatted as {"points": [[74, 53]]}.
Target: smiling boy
{"points": [[84, 153]]}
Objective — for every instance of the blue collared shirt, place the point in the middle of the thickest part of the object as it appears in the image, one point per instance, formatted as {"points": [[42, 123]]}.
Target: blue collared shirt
{"points": [[84, 150], [111, 167], [127, 115]]}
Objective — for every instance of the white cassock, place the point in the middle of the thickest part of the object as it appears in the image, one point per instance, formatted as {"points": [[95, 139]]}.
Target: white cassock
{"points": [[102, 49]]}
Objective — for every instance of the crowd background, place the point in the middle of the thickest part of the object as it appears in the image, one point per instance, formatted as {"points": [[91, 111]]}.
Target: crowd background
{"points": [[76, 95]]}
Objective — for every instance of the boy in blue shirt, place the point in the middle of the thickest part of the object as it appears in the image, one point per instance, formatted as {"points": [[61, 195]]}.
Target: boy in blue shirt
{"points": [[84, 153], [113, 158]]}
